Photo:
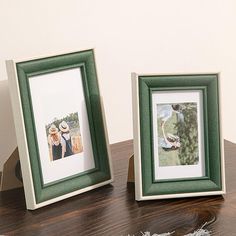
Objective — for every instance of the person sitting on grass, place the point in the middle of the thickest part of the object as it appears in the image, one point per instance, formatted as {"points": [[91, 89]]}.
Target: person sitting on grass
{"points": [[170, 142], [65, 134]]}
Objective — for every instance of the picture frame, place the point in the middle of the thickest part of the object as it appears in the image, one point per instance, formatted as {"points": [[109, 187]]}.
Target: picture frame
{"points": [[60, 126], [178, 145]]}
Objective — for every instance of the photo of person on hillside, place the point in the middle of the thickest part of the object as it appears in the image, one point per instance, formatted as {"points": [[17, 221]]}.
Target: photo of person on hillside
{"points": [[177, 134]]}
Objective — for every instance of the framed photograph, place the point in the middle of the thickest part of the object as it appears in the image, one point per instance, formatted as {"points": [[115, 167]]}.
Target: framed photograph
{"points": [[178, 148], [60, 126]]}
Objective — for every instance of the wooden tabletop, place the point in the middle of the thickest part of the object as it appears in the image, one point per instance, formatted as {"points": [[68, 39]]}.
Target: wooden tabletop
{"points": [[112, 210]]}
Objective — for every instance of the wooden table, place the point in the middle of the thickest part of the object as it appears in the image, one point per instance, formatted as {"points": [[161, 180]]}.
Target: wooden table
{"points": [[112, 210]]}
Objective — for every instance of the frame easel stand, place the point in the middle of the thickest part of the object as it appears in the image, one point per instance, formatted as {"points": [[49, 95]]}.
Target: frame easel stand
{"points": [[10, 177]]}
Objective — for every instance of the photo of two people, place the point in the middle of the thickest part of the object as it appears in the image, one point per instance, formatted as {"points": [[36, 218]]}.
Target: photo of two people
{"points": [[64, 137]]}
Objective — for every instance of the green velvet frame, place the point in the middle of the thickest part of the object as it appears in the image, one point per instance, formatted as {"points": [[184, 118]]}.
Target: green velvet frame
{"points": [[208, 83], [86, 62]]}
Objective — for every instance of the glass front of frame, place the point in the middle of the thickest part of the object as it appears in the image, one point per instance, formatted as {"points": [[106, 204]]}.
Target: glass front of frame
{"points": [[61, 124], [178, 134]]}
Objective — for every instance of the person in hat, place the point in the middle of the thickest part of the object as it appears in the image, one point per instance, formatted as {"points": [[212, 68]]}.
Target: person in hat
{"points": [[56, 146], [65, 134]]}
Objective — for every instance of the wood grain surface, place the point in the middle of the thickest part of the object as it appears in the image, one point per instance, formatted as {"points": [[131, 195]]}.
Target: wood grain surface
{"points": [[112, 210]]}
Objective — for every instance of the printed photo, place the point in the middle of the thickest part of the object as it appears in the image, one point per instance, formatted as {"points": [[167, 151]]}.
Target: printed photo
{"points": [[177, 129], [64, 137]]}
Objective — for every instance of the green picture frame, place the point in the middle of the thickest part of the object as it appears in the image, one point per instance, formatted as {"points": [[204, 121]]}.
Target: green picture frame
{"points": [[147, 147], [21, 73]]}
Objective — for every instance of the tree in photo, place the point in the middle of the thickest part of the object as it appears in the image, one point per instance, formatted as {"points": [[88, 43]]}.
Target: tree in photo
{"points": [[188, 133]]}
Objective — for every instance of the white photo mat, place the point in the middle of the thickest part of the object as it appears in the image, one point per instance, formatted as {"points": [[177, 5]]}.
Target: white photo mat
{"points": [[178, 171], [49, 103]]}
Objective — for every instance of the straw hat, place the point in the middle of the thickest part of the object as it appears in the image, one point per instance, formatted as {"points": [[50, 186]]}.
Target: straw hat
{"points": [[63, 126], [53, 129]]}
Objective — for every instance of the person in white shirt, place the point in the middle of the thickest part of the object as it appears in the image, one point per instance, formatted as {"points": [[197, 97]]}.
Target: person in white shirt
{"points": [[169, 142]]}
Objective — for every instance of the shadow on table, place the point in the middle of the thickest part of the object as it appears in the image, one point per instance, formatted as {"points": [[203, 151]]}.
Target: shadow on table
{"points": [[182, 215]]}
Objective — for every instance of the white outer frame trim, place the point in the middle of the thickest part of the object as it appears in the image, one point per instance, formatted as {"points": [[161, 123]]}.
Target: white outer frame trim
{"points": [[137, 144], [136, 134], [22, 140]]}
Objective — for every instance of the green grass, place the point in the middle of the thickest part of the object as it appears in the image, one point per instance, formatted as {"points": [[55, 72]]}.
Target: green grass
{"points": [[168, 158]]}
